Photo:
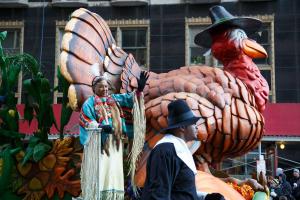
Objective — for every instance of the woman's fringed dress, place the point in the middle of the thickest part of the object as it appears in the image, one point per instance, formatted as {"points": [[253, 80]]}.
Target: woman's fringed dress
{"points": [[103, 111]]}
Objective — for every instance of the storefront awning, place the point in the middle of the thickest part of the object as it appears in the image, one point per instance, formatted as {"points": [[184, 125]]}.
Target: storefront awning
{"points": [[282, 119]]}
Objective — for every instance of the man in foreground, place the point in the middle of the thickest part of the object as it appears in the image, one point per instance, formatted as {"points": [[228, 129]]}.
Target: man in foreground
{"points": [[170, 168]]}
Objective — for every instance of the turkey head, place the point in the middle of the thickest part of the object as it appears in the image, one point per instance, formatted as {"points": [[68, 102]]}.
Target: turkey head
{"points": [[235, 50]]}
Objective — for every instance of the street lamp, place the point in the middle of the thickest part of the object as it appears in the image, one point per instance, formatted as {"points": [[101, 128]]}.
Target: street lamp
{"points": [[282, 145]]}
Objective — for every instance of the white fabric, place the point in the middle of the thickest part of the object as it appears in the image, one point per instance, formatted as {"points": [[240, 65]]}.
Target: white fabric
{"points": [[182, 150], [139, 130], [273, 194], [111, 168], [111, 179], [279, 171], [201, 195], [194, 146], [89, 173], [92, 126]]}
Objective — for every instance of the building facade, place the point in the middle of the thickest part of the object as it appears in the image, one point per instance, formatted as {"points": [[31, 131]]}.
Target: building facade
{"points": [[160, 35]]}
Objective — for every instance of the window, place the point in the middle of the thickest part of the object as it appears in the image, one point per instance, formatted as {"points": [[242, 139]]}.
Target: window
{"points": [[196, 55], [60, 30], [133, 36], [13, 44]]}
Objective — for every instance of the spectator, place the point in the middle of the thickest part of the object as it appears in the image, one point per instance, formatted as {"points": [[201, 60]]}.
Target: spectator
{"points": [[284, 189], [295, 183], [279, 171], [273, 185]]}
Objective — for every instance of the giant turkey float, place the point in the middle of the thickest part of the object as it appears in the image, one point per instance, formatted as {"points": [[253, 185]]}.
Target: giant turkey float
{"points": [[230, 102]]}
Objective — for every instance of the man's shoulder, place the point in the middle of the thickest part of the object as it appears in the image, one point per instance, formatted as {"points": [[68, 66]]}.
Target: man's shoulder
{"points": [[163, 151], [165, 147]]}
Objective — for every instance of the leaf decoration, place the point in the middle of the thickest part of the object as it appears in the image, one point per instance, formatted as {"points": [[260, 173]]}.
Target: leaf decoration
{"points": [[33, 141], [9, 195], [3, 35], [40, 151], [7, 164]]}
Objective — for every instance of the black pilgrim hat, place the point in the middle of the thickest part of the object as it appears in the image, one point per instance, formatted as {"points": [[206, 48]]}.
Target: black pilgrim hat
{"points": [[221, 18], [179, 114]]}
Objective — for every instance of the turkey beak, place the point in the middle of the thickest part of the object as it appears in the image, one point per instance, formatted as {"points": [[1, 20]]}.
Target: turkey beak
{"points": [[253, 49]]}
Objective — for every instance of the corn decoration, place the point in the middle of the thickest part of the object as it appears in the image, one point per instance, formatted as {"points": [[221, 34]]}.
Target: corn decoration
{"points": [[245, 190]]}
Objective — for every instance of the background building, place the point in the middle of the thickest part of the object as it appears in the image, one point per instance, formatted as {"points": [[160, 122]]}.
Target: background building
{"points": [[160, 34]]}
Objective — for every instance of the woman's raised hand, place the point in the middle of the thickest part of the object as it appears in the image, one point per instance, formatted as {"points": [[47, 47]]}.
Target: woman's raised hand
{"points": [[142, 80]]}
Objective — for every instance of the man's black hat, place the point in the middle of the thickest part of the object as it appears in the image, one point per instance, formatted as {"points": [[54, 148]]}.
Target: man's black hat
{"points": [[221, 18], [180, 115]]}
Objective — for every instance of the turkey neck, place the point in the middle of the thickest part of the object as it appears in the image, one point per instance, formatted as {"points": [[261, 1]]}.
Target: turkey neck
{"points": [[246, 70]]}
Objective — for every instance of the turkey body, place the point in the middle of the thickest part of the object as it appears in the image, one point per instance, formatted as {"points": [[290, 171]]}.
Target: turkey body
{"points": [[230, 123]]}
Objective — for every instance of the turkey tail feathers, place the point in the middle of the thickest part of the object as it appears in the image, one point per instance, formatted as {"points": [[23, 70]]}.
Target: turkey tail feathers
{"points": [[77, 93], [76, 70], [130, 73], [80, 48], [88, 49], [114, 61], [85, 42], [97, 23]]}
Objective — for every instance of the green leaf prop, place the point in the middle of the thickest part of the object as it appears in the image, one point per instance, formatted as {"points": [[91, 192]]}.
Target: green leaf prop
{"points": [[40, 151], [7, 164], [9, 195], [38, 102], [26, 62], [11, 134], [6, 173], [33, 141], [28, 155], [3, 35], [28, 112]]}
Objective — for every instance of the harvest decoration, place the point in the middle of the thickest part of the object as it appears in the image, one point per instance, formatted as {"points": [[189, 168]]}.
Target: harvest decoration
{"points": [[41, 167], [245, 190]]}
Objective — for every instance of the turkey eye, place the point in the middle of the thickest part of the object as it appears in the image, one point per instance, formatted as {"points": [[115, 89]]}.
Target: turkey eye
{"points": [[240, 34]]}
